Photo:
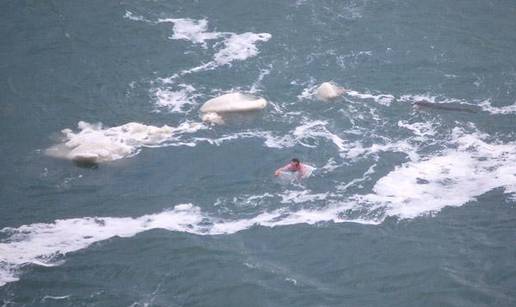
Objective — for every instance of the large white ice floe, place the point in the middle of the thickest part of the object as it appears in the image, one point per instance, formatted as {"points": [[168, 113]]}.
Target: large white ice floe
{"points": [[230, 103]]}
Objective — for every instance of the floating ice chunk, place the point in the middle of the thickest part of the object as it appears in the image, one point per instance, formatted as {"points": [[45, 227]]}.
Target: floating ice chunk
{"points": [[329, 90], [94, 144], [234, 102]]}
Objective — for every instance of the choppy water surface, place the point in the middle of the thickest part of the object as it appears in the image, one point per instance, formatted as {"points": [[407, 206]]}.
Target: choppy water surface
{"points": [[412, 202]]}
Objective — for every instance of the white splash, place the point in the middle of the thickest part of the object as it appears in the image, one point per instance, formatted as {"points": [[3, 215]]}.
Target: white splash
{"points": [[97, 144], [309, 92], [383, 99], [129, 15], [43, 244], [302, 196], [178, 100], [257, 84], [452, 178], [488, 107], [239, 47], [357, 181], [422, 130], [191, 30], [468, 168], [433, 99], [311, 133], [236, 47], [46, 244]]}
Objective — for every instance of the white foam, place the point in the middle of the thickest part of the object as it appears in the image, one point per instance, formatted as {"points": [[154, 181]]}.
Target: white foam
{"points": [[330, 166], [42, 244], [98, 144], [213, 118], [383, 99], [433, 99], [308, 92], [8, 272], [46, 244], [488, 107], [236, 47], [246, 200], [257, 84], [347, 61], [365, 176], [177, 101], [240, 47], [191, 30], [302, 196], [453, 178], [317, 129], [309, 133], [469, 167], [422, 130], [129, 15]]}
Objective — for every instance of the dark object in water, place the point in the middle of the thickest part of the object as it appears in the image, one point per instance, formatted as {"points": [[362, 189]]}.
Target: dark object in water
{"points": [[86, 162], [422, 181], [441, 106]]}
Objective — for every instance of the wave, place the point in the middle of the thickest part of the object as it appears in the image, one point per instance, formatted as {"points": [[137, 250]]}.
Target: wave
{"points": [[471, 164], [45, 244], [236, 47], [310, 93], [469, 168]]}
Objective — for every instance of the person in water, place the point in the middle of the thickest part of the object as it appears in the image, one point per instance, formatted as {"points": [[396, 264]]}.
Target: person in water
{"points": [[294, 166]]}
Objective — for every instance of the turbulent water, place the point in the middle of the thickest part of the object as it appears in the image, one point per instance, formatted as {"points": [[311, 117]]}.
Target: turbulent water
{"points": [[411, 203]]}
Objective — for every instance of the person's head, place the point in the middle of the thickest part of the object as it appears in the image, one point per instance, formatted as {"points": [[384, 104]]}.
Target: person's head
{"points": [[295, 162]]}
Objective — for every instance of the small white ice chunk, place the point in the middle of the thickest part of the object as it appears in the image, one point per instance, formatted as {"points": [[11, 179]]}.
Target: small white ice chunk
{"points": [[328, 91]]}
